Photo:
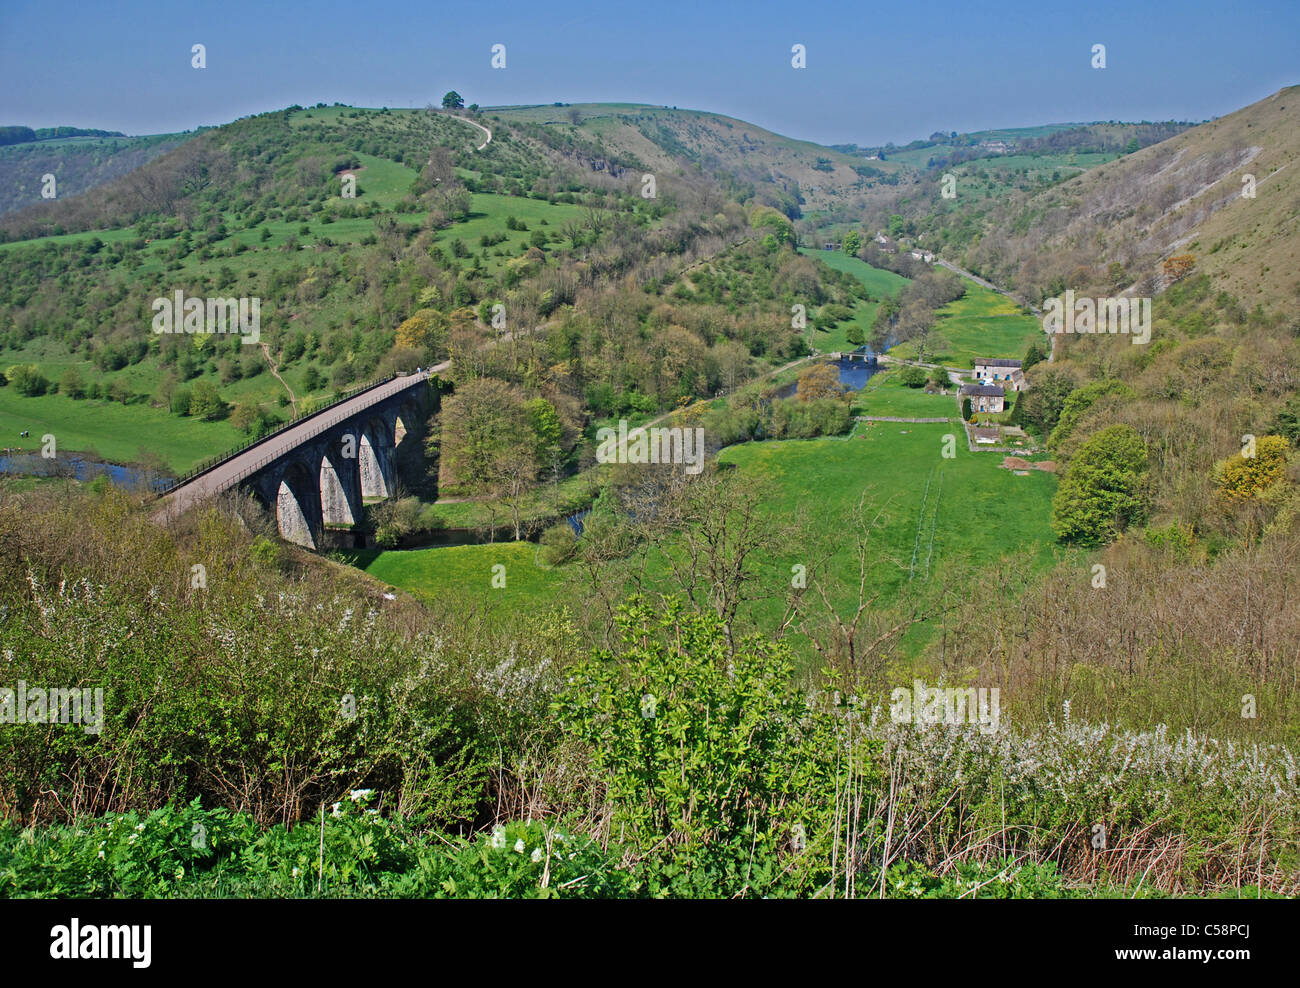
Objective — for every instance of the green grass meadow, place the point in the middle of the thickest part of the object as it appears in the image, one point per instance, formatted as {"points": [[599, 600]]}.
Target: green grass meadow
{"points": [[879, 282], [113, 431], [982, 323], [460, 571]]}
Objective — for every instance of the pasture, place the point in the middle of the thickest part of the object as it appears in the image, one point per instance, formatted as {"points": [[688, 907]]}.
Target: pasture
{"points": [[981, 323]]}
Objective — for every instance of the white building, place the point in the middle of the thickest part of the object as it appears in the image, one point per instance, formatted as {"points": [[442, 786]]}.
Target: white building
{"points": [[1001, 371]]}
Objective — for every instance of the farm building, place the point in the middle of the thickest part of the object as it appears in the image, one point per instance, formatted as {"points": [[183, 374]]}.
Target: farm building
{"points": [[984, 397], [922, 255], [999, 370]]}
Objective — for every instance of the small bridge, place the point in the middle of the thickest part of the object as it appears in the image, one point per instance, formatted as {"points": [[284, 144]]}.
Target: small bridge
{"points": [[851, 355], [317, 472]]}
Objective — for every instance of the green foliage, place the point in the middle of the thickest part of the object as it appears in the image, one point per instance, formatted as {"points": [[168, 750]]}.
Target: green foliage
{"points": [[772, 221], [1036, 354], [558, 544], [27, 380], [1078, 402], [1104, 491], [1287, 421], [913, 376], [1041, 404], [72, 384], [205, 401], [348, 851], [710, 758]]}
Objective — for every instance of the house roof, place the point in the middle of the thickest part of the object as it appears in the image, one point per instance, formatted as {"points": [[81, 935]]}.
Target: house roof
{"points": [[983, 390], [997, 362]]}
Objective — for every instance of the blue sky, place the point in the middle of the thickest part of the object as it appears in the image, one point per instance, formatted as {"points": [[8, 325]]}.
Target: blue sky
{"points": [[876, 71]]}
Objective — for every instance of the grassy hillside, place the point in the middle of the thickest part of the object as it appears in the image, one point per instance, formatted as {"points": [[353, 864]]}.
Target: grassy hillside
{"points": [[803, 174], [1181, 196], [543, 219]]}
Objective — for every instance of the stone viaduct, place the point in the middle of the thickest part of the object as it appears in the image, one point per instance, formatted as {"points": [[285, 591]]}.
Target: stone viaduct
{"points": [[316, 473]]}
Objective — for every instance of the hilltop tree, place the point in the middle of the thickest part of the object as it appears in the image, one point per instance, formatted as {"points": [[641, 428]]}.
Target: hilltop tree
{"points": [[453, 101]]}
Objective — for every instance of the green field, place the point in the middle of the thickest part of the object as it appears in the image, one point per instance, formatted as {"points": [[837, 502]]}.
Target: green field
{"points": [[981, 323], [879, 282], [885, 394], [113, 431], [460, 571]]}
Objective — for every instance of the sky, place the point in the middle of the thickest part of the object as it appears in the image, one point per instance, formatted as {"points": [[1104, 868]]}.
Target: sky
{"points": [[875, 72]]}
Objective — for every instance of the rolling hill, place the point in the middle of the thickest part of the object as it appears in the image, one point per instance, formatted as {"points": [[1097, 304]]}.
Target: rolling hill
{"points": [[78, 162], [1183, 195]]}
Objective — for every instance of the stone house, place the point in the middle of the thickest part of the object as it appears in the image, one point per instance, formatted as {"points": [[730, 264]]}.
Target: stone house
{"points": [[984, 397], [1001, 371]]}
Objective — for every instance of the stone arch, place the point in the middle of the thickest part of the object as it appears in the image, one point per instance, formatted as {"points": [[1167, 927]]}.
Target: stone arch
{"points": [[408, 438], [375, 458], [340, 493], [297, 505]]}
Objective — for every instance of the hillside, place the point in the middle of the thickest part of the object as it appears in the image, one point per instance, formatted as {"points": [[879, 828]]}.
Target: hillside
{"points": [[941, 150], [801, 174], [1183, 195], [545, 220], [833, 545], [79, 162]]}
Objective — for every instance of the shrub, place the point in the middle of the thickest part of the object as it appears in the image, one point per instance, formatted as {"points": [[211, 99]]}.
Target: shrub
{"points": [[913, 377], [558, 544], [709, 758], [27, 380]]}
